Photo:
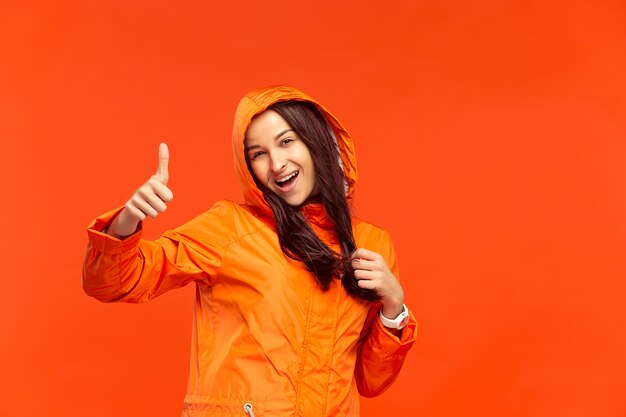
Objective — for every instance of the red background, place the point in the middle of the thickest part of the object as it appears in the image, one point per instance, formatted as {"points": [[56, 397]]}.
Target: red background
{"points": [[491, 144]]}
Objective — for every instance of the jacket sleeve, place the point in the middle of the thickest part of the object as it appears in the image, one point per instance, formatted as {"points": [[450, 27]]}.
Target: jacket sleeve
{"points": [[135, 270], [381, 353]]}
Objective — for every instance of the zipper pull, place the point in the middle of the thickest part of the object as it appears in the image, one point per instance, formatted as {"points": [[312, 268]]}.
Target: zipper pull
{"points": [[248, 409]]}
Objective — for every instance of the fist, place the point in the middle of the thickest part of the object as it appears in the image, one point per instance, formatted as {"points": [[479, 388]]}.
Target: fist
{"points": [[372, 272], [149, 200]]}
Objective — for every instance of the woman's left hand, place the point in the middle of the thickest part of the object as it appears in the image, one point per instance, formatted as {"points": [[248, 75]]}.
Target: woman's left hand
{"points": [[372, 272]]}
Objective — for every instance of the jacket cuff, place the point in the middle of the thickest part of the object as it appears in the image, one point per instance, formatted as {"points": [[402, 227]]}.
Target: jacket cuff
{"points": [[106, 243], [390, 343]]}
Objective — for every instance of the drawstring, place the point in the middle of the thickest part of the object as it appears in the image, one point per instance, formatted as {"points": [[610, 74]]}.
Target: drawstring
{"points": [[248, 409]]}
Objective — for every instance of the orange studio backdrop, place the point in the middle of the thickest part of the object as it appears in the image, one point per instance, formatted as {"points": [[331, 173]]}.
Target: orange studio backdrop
{"points": [[491, 140]]}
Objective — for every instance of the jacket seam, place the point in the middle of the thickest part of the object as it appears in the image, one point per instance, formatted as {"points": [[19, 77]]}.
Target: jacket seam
{"points": [[330, 362], [236, 239], [233, 242], [305, 343]]}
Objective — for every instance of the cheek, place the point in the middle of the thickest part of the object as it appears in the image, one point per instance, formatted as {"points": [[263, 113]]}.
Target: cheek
{"points": [[259, 171], [305, 158], [309, 162]]}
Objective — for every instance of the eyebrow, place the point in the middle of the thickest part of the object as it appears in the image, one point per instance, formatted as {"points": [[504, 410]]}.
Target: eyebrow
{"points": [[282, 133], [247, 148]]}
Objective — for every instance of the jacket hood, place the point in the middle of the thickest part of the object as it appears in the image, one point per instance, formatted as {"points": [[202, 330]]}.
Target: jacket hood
{"points": [[257, 101]]}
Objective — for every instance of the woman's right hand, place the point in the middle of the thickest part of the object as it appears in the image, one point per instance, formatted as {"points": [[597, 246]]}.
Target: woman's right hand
{"points": [[148, 200]]}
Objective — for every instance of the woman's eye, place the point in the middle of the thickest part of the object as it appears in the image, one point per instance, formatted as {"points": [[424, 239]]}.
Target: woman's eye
{"points": [[286, 141], [255, 155]]}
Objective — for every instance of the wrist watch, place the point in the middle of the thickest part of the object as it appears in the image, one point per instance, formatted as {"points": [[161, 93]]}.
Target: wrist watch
{"points": [[397, 323]]}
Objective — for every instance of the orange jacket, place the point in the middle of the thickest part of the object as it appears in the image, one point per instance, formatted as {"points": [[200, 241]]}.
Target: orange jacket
{"points": [[265, 334]]}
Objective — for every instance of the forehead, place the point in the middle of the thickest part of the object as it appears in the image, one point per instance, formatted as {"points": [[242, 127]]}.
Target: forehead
{"points": [[265, 126]]}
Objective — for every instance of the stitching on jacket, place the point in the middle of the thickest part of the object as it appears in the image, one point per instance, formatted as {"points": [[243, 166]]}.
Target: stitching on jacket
{"points": [[232, 207], [305, 344], [236, 239], [236, 207], [330, 362]]}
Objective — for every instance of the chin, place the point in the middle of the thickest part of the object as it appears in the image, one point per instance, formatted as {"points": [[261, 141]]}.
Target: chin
{"points": [[294, 202]]}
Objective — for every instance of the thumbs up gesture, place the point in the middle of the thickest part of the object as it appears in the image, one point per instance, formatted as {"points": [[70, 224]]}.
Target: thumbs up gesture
{"points": [[149, 200]]}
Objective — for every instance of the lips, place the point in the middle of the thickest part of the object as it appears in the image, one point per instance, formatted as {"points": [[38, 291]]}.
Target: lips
{"points": [[286, 182]]}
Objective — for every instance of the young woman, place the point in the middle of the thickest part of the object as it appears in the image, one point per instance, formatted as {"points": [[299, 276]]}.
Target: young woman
{"points": [[298, 307]]}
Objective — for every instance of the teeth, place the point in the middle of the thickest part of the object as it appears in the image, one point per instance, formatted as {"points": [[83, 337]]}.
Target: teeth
{"points": [[288, 177]]}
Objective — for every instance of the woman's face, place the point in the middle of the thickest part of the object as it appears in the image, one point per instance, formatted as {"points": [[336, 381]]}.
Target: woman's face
{"points": [[280, 159]]}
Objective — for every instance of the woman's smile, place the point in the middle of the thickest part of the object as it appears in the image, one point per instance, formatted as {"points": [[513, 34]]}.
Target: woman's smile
{"points": [[287, 182]]}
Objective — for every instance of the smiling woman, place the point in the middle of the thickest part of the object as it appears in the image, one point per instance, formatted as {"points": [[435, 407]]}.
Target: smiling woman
{"points": [[298, 306], [279, 158]]}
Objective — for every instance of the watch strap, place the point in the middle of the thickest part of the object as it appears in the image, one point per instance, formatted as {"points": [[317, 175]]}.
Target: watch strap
{"points": [[397, 323]]}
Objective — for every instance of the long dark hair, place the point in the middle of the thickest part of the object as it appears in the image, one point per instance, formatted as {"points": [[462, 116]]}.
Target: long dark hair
{"points": [[297, 239]]}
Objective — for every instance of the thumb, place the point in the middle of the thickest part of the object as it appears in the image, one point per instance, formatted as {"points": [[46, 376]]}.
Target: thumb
{"points": [[164, 158]]}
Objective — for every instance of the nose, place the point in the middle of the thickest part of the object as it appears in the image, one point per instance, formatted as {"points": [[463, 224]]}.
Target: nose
{"points": [[278, 162]]}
